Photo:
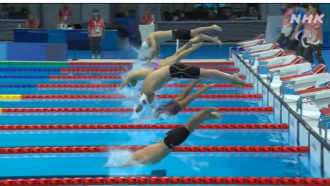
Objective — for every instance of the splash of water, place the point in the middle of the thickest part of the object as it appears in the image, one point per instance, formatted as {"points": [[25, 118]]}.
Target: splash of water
{"points": [[118, 157]]}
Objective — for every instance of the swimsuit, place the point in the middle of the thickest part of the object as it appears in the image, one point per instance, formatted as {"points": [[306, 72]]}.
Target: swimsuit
{"points": [[176, 137], [184, 71], [156, 65], [181, 34], [172, 108]]}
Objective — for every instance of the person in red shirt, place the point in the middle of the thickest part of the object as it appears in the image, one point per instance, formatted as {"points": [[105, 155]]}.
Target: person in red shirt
{"points": [[96, 29], [314, 36], [65, 15], [31, 22], [148, 18]]}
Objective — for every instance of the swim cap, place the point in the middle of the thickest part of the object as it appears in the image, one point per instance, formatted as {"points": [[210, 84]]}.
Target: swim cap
{"points": [[145, 45], [143, 100]]}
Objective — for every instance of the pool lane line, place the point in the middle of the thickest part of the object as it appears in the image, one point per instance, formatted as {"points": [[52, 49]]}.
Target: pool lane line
{"points": [[75, 77], [141, 126], [204, 97], [153, 180], [100, 149], [92, 70], [196, 63], [109, 63], [111, 86], [120, 109]]}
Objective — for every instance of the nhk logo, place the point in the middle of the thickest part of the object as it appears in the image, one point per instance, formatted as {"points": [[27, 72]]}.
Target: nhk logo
{"points": [[309, 18], [306, 19]]}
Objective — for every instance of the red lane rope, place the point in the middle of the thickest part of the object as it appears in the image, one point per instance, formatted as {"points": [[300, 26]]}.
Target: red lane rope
{"points": [[191, 109], [102, 70], [94, 70], [99, 149], [85, 77], [248, 85], [224, 63], [140, 126], [106, 96], [100, 77], [167, 181]]}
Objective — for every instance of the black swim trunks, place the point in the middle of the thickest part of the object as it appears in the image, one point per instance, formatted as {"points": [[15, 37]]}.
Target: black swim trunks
{"points": [[181, 34], [172, 108], [176, 137], [184, 71]]}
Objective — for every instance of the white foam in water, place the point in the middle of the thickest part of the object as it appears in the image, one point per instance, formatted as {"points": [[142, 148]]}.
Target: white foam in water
{"points": [[193, 164], [210, 136], [118, 157]]}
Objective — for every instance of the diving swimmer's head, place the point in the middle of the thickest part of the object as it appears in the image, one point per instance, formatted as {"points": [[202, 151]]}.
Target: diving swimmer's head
{"points": [[145, 45], [142, 102]]}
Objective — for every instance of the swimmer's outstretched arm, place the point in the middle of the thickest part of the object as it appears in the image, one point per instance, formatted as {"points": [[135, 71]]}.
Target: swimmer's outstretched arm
{"points": [[130, 163]]}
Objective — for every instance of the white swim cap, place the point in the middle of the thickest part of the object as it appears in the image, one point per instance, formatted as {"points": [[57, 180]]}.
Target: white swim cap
{"points": [[145, 45], [143, 100]]}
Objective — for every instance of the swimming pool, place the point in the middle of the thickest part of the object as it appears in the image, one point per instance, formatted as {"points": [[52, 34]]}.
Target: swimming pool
{"points": [[55, 127]]}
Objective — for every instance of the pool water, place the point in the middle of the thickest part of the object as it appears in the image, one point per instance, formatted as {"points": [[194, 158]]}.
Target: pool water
{"points": [[238, 164]]}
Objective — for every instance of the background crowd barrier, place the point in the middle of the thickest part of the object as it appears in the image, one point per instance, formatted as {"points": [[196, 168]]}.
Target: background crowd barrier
{"points": [[33, 52], [301, 134], [76, 39]]}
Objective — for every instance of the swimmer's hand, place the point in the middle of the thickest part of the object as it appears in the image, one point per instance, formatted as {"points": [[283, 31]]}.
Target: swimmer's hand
{"points": [[146, 63], [210, 113], [237, 81]]}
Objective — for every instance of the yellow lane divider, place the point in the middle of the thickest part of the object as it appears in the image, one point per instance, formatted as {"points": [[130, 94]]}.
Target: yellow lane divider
{"points": [[0, 110], [13, 97]]}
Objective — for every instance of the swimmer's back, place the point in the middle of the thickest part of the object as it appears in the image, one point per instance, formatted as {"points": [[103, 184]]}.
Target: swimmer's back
{"points": [[156, 79]]}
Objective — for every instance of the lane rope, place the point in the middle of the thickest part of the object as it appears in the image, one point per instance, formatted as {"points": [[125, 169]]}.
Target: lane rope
{"points": [[114, 96], [58, 77], [93, 86], [167, 181], [140, 126], [100, 149], [120, 109], [92, 70]]}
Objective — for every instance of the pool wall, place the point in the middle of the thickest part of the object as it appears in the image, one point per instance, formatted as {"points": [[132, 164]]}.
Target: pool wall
{"points": [[33, 51], [300, 133]]}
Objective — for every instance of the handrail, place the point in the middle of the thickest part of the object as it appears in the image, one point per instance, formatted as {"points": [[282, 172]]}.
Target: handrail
{"points": [[326, 132], [320, 122], [303, 122]]}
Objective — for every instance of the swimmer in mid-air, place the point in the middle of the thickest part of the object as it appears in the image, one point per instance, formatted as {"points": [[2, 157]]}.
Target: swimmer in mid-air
{"points": [[140, 74], [155, 38], [155, 80], [153, 154], [173, 107]]}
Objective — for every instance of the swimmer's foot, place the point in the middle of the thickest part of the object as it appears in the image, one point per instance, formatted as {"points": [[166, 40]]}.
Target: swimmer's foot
{"points": [[237, 81], [195, 39], [197, 45], [216, 27], [209, 85], [210, 113], [216, 40]]}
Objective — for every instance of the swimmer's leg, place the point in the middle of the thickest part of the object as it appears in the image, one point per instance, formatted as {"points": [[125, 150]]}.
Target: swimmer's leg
{"points": [[206, 114], [188, 51], [177, 58], [218, 75], [208, 38], [205, 29], [187, 91], [183, 103]]}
